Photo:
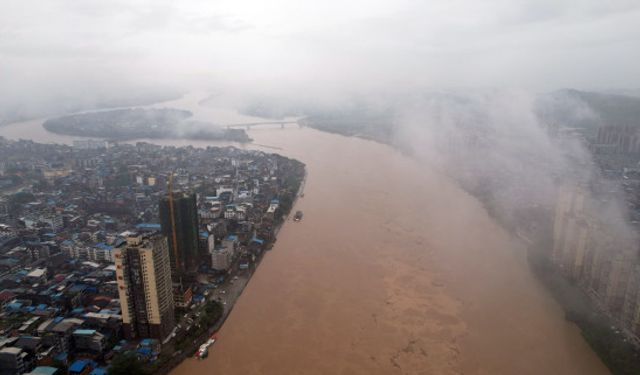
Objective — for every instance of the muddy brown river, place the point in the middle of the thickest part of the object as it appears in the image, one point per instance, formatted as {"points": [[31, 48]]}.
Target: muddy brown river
{"points": [[393, 270]]}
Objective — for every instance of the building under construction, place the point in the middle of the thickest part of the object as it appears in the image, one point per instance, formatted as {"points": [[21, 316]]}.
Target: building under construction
{"points": [[179, 223]]}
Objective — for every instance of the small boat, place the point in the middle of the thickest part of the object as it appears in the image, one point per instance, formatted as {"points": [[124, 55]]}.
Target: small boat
{"points": [[297, 216], [203, 350]]}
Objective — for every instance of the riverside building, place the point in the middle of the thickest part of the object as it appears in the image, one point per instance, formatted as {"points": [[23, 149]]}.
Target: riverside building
{"points": [[143, 274]]}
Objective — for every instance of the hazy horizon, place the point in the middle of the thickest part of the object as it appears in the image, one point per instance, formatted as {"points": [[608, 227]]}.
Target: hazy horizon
{"points": [[65, 51]]}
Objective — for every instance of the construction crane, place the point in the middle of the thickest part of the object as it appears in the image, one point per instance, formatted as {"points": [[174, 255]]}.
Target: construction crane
{"points": [[174, 235]]}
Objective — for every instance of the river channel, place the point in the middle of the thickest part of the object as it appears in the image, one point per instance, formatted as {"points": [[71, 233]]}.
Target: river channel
{"points": [[393, 270]]}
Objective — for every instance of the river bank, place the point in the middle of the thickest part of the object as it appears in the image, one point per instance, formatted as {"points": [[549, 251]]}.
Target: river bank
{"points": [[393, 287]]}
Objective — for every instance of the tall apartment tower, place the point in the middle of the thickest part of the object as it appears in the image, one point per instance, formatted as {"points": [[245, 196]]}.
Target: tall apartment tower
{"points": [[143, 274], [180, 225], [569, 208]]}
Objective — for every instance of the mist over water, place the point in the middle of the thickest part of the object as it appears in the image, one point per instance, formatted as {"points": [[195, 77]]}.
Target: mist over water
{"points": [[495, 145]]}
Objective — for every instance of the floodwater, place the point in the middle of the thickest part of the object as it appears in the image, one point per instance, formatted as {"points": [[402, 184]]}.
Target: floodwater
{"points": [[393, 270]]}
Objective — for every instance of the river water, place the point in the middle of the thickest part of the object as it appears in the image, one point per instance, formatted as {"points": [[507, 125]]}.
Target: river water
{"points": [[393, 270]]}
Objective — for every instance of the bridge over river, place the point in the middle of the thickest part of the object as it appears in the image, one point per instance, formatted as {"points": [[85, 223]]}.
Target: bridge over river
{"points": [[250, 125]]}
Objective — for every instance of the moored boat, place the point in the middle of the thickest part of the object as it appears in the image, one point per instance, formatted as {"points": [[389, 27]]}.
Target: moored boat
{"points": [[203, 350]]}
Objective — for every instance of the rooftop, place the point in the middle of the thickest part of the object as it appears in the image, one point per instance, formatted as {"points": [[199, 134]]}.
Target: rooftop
{"points": [[11, 350], [38, 272], [44, 370], [87, 332], [79, 365]]}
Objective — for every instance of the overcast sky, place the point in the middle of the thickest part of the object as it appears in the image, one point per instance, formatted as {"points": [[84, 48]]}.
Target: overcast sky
{"points": [[325, 45]]}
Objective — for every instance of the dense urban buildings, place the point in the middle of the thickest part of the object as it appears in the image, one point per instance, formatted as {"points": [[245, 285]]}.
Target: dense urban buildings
{"points": [[86, 248]]}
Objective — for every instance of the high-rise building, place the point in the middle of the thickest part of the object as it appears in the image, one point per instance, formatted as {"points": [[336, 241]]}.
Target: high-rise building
{"points": [[620, 139], [143, 273], [179, 223], [570, 204], [631, 308], [576, 241], [615, 293]]}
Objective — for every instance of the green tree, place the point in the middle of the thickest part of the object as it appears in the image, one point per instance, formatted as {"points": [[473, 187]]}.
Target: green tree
{"points": [[212, 312], [62, 368], [21, 197], [127, 364], [16, 201]]}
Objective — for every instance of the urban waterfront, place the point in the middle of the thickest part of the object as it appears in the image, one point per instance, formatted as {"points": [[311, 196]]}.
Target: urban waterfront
{"points": [[393, 269], [111, 249]]}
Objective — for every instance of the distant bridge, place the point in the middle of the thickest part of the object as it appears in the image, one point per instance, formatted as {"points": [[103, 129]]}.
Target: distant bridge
{"points": [[249, 125]]}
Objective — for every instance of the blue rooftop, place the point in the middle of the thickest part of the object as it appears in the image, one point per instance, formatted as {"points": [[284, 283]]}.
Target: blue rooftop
{"points": [[13, 306], [148, 226], [79, 366], [145, 351], [232, 237], [98, 371], [91, 289], [84, 331]]}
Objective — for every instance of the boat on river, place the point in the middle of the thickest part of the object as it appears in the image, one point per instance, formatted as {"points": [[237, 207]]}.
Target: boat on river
{"points": [[203, 350]]}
